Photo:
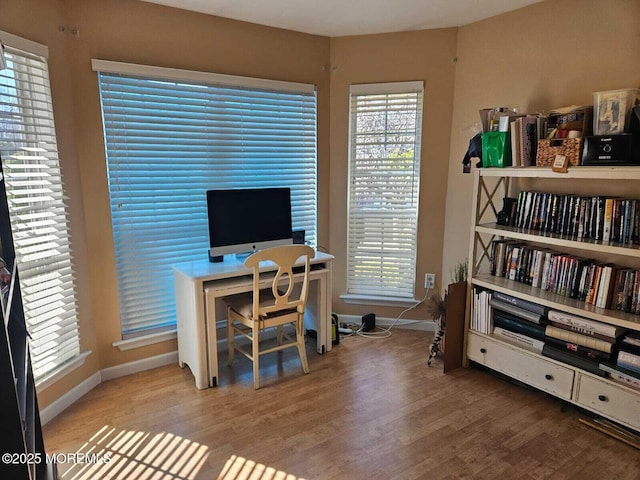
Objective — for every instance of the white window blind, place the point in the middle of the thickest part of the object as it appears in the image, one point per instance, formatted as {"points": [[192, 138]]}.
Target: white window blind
{"points": [[37, 208], [171, 135], [384, 173]]}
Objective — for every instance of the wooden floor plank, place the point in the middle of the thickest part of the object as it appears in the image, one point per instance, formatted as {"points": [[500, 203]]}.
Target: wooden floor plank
{"points": [[370, 409]]}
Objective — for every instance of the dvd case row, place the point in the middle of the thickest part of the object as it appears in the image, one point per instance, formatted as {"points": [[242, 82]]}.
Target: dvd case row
{"points": [[609, 219], [601, 284]]}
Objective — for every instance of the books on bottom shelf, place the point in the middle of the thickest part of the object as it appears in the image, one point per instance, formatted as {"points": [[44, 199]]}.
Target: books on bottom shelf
{"points": [[631, 339], [571, 358], [517, 311], [518, 339], [621, 375], [578, 349], [584, 340], [585, 326], [518, 325], [481, 319], [520, 303], [629, 360]]}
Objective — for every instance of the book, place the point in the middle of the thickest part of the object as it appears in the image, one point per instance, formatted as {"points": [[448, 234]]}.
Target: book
{"points": [[481, 319], [629, 358], [606, 286], [579, 349], [517, 325], [527, 125], [517, 311], [549, 258], [519, 339], [538, 267], [608, 367], [629, 348], [631, 338], [608, 215], [635, 295], [593, 286], [621, 374], [520, 303], [513, 262], [629, 366], [584, 340], [585, 325], [514, 132], [570, 358]]}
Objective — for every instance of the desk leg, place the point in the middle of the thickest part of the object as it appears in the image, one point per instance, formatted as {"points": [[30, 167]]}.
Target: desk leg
{"points": [[191, 328], [325, 309], [212, 338], [322, 301]]}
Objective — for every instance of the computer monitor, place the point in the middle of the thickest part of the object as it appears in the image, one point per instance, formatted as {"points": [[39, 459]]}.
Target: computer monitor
{"points": [[245, 220]]}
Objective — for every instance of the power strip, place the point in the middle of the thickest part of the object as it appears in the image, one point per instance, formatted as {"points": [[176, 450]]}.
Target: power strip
{"points": [[345, 330]]}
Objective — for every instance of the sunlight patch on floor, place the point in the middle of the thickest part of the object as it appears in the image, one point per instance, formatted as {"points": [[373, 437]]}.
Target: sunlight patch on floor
{"points": [[238, 468], [132, 455]]}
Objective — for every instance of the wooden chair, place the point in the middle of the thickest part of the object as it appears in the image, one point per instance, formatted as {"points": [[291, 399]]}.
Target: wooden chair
{"points": [[274, 306]]}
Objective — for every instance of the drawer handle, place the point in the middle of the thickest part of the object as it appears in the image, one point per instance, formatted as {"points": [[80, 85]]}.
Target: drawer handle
{"points": [[548, 377], [483, 350], [603, 398]]}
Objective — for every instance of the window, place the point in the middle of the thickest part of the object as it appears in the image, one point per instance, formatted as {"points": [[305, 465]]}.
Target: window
{"points": [[37, 211], [170, 135], [384, 171]]}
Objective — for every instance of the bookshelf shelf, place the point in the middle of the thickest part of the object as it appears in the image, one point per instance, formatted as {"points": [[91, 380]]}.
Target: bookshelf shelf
{"points": [[587, 173], [552, 375], [570, 305], [552, 239]]}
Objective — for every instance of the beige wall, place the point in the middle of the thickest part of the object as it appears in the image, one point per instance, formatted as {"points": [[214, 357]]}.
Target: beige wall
{"points": [[140, 32], [41, 25], [548, 55], [423, 55]]}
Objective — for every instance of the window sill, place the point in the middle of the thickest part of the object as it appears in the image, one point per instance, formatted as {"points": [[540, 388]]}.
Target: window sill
{"points": [[144, 340], [64, 370], [378, 300]]}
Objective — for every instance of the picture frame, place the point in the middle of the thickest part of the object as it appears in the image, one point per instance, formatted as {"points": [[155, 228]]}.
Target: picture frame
{"points": [[612, 110]]}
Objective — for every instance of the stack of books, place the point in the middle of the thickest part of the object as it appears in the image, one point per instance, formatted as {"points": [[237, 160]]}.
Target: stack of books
{"points": [[629, 352], [518, 321], [579, 341], [481, 319], [626, 369]]}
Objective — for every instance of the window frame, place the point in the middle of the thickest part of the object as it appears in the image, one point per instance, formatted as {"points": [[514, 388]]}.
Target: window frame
{"points": [[380, 293], [49, 290], [254, 86]]}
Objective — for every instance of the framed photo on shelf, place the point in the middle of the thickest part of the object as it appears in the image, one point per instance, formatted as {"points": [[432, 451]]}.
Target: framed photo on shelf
{"points": [[612, 110]]}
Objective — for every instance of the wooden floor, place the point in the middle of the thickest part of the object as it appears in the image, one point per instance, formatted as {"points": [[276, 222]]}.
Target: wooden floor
{"points": [[370, 409]]}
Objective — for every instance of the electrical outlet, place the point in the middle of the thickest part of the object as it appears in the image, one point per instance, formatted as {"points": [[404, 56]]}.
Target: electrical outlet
{"points": [[429, 280]]}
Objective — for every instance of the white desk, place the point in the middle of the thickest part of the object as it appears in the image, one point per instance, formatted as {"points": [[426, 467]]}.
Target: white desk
{"points": [[199, 287]]}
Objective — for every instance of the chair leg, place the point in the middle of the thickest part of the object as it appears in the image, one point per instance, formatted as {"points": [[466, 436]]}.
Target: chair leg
{"points": [[301, 348], [230, 339], [255, 353]]}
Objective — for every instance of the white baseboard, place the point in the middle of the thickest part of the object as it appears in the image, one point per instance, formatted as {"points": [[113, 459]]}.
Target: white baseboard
{"points": [[423, 325], [58, 406], [139, 366], [69, 398]]}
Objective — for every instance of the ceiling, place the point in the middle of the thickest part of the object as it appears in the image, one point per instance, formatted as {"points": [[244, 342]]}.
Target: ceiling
{"points": [[333, 18]]}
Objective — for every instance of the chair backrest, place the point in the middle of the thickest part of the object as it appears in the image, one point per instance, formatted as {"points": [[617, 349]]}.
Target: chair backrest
{"points": [[285, 258]]}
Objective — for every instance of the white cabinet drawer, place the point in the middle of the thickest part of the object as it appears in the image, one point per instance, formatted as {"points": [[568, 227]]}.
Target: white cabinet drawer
{"points": [[612, 401], [527, 367]]}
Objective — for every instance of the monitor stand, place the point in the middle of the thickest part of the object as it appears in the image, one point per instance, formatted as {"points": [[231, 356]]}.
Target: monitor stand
{"points": [[216, 259]]}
